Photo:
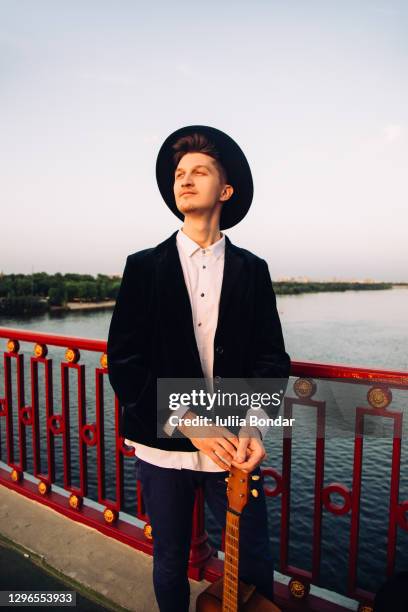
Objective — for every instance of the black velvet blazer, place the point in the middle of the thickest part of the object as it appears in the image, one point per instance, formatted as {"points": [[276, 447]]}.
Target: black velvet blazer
{"points": [[151, 333]]}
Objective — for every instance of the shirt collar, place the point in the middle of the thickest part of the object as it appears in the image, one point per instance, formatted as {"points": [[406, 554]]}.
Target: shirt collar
{"points": [[190, 247]]}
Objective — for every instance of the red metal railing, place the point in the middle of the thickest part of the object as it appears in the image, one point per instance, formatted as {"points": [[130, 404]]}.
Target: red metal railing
{"points": [[90, 434]]}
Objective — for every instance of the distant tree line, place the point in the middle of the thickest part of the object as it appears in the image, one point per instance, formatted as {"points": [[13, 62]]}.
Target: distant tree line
{"points": [[293, 287], [36, 293]]}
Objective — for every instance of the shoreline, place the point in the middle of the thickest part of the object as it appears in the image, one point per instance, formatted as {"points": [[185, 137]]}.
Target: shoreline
{"points": [[71, 306], [28, 305], [76, 306]]}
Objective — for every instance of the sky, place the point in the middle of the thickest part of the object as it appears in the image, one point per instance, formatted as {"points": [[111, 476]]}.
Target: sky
{"points": [[315, 93]]}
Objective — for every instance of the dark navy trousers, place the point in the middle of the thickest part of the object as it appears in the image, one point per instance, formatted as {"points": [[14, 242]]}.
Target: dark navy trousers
{"points": [[169, 499]]}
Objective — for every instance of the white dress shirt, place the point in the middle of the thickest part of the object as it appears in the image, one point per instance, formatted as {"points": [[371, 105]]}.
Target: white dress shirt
{"points": [[203, 271]]}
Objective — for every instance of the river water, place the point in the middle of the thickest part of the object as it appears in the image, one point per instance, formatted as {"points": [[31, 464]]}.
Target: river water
{"points": [[362, 328]]}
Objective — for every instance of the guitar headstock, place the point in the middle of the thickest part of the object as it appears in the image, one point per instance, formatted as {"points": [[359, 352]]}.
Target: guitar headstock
{"points": [[238, 489]]}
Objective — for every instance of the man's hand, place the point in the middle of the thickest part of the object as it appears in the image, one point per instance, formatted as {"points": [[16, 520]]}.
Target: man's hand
{"points": [[216, 442], [250, 451]]}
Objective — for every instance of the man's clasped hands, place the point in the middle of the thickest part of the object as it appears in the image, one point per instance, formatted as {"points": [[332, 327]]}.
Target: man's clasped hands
{"points": [[245, 451]]}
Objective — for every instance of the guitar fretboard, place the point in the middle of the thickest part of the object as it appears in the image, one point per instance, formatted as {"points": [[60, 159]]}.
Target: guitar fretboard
{"points": [[230, 596]]}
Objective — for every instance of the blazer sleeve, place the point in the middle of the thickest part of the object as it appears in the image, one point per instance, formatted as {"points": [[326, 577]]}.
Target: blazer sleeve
{"points": [[270, 359], [128, 369]]}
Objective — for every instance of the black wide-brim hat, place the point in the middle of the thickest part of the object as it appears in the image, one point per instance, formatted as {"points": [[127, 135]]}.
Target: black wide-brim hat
{"points": [[231, 157]]}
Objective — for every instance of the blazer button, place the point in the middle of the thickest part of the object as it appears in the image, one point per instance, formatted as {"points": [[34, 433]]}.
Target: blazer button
{"points": [[217, 380], [219, 350]]}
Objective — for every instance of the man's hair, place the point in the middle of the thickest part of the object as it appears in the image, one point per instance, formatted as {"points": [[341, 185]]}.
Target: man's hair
{"points": [[198, 143]]}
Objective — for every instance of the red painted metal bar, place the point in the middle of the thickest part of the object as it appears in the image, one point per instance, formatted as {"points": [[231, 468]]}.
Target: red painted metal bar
{"points": [[6, 406], [9, 410], [87, 344], [83, 479], [47, 476], [49, 412], [318, 491], [2, 414], [366, 375], [355, 501], [65, 426], [394, 493], [100, 448], [286, 474], [20, 407], [200, 551], [118, 460], [82, 444], [34, 420]]}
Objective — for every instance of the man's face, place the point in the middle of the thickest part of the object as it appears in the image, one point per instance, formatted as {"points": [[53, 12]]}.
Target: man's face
{"points": [[197, 183]]}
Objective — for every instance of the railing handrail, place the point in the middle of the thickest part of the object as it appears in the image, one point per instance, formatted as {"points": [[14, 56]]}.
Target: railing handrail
{"points": [[26, 335], [339, 370], [299, 368]]}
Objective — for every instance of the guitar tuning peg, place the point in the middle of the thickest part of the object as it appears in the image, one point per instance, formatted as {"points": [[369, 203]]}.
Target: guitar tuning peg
{"points": [[226, 479], [256, 477], [254, 493]]}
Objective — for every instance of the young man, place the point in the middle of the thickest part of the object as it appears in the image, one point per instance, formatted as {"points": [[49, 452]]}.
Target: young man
{"points": [[195, 306]]}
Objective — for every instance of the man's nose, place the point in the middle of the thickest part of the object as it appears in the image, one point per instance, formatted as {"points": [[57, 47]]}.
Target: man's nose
{"points": [[187, 180]]}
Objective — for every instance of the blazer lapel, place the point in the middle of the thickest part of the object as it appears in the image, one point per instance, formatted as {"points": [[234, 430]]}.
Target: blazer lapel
{"points": [[173, 294], [230, 279]]}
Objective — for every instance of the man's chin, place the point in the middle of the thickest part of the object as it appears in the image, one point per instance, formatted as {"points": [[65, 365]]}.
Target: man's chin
{"points": [[187, 209]]}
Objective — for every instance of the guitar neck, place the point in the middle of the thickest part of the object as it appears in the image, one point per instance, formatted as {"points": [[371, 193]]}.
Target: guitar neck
{"points": [[231, 560]]}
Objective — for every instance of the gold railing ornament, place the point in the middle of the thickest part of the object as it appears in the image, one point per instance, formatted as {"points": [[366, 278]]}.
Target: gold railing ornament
{"points": [[15, 475], [40, 350], [43, 487], [304, 388], [13, 346], [75, 501], [298, 589], [110, 515], [365, 608], [104, 361], [148, 531], [379, 397], [72, 355]]}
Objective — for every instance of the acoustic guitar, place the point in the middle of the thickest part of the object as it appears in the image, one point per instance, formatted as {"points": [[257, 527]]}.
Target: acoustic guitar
{"points": [[229, 594]]}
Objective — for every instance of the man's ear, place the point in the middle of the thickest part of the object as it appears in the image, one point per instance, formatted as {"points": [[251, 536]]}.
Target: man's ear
{"points": [[226, 193]]}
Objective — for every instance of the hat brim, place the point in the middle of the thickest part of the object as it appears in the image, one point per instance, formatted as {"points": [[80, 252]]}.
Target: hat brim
{"points": [[234, 162]]}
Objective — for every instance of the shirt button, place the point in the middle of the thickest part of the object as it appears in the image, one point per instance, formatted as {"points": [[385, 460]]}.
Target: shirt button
{"points": [[199, 325], [202, 295], [219, 349], [203, 251], [204, 267]]}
